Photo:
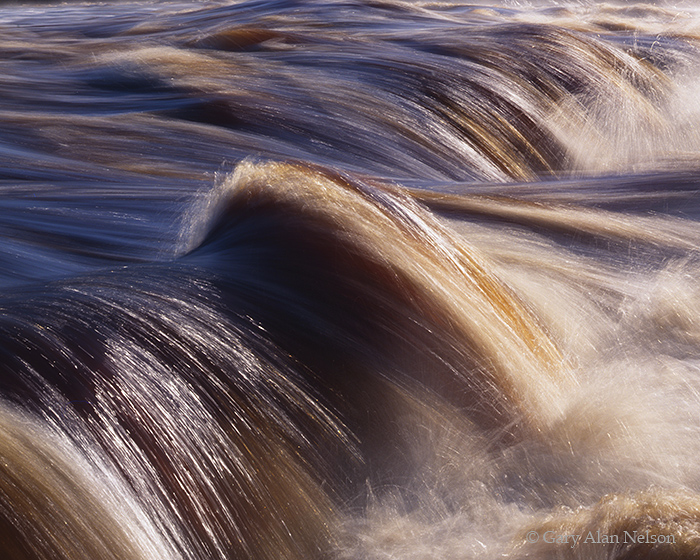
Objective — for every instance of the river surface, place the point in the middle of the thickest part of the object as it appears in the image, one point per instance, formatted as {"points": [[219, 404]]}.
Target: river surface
{"points": [[349, 280]]}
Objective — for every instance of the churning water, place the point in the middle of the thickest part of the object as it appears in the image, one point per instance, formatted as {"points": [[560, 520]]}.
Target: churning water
{"points": [[349, 280]]}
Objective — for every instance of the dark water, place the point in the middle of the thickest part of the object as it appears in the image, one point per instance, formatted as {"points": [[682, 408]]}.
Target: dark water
{"points": [[349, 280]]}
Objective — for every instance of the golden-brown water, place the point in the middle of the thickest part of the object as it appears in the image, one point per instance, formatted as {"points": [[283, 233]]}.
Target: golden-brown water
{"points": [[349, 280]]}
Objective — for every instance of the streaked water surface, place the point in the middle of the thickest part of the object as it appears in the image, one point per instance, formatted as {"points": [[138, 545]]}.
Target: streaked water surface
{"points": [[349, 279]]}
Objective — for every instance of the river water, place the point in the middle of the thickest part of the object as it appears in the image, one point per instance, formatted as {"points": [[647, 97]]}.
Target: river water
{"points": [[351, 279]]}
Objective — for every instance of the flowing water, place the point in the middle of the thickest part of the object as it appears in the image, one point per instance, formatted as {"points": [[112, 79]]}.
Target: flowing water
{"points": [[349, 279]]}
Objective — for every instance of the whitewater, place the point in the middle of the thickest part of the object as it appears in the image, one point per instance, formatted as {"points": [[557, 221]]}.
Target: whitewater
{"points": [[349, 280]]}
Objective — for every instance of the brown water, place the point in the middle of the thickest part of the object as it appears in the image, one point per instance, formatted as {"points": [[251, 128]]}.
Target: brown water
{"points": [[349, 280]]}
